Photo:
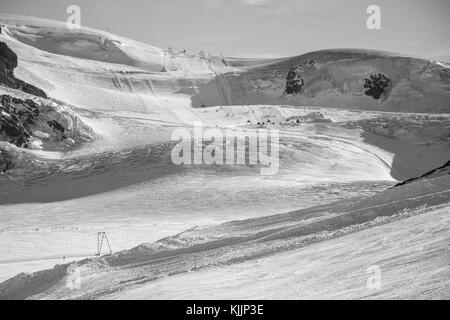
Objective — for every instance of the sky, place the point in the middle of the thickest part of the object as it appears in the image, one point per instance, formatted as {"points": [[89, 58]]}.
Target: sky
{"points": [[261, 28]]}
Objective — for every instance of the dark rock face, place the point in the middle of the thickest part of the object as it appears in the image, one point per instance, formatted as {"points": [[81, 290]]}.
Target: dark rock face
{"points": [[7, 57], [294, 79], [18, 133], [15, 119], [6, 162], [294, 82], [29, 124], [26, 109], [376, 85], [8, 62], [56, 126]]}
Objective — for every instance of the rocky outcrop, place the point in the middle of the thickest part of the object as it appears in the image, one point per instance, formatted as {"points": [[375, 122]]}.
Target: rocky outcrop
{"points": [[294, 80], [8, 62], [16, 116], [15, 122], [8, 58], [55, 125], [27, 124], [14, 130], [377, 86], [6, 162]]}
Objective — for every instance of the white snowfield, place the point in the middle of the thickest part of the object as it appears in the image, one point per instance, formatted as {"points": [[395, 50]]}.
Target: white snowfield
{"points": [[309, 231], [393, 231], [341, 269]]}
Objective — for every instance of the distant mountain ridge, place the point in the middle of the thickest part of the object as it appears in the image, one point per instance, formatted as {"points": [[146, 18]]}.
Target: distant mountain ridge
{"points": [[341, 78], [337, 78]]}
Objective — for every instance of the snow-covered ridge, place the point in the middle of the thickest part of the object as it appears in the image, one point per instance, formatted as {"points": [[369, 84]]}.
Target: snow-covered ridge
{"points": [[51, 53], [86, 43]]}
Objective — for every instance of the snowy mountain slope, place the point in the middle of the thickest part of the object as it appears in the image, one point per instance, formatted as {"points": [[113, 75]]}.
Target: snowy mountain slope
{"points": [[211, 247], [113, 83], [335, 78], [54, 37], [413, 264], [85, 58], [132, 96], [124, 78]]}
